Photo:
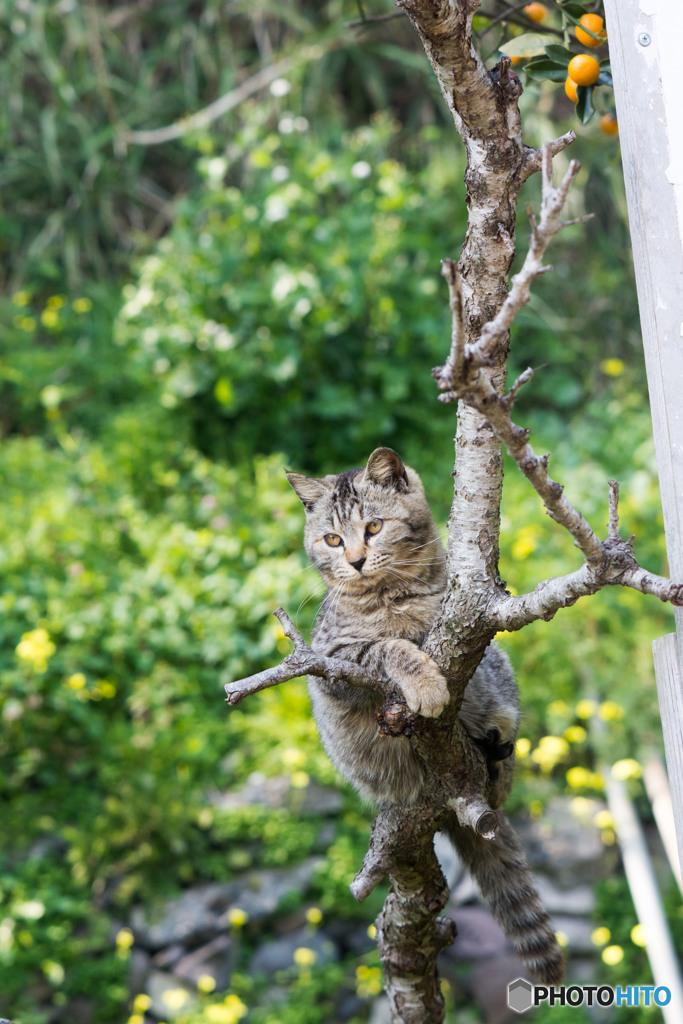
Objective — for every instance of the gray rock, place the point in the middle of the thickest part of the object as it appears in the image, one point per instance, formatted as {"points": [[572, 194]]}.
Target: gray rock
{"points": [[566, 847], [579, 901], [191, 918], [478, 935], [489, 985], [167, 958], [278, 792], [215, 959], [171, 998], [259, 894], [278, 955], [203, 912], [139, 966], [578, 932]]}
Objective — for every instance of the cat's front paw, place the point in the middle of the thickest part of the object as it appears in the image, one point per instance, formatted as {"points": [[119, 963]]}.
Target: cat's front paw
{"points": [[426, 694]]}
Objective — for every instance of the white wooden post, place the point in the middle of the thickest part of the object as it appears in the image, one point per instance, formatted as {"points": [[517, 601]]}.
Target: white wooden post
{"points": [[646, 50]]}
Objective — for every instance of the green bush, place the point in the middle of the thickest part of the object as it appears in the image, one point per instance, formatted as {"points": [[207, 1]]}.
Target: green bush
{"points": [[292, 314]]}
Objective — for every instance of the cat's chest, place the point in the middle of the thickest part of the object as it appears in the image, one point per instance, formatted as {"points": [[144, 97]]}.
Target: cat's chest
{"points": [[379, 616]]}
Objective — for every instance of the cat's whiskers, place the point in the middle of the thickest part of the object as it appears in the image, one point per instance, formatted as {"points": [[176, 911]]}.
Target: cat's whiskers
{"points": [[304, 602], [311, 565]]}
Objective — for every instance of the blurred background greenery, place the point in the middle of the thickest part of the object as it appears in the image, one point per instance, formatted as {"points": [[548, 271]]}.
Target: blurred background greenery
{"points": [[181, 322]]}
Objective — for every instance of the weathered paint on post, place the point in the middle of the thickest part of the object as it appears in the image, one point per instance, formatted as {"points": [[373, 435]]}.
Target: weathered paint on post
{"points": [[646, 42]]}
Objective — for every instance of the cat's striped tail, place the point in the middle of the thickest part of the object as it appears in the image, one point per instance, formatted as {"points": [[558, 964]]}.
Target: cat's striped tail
{"points": [[500, 869]]}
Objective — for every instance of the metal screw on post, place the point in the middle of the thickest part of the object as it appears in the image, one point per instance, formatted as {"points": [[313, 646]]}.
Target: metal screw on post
{"points": [[644, 39]]}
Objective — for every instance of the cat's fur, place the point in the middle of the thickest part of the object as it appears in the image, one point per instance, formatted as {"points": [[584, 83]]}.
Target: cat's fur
{"points": [[384, 565]]}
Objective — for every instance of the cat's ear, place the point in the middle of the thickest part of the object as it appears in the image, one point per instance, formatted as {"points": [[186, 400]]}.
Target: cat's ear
{"points": [[308, 488], [385, 468]]}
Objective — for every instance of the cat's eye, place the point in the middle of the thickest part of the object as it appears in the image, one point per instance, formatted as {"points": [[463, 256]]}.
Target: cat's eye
{"points": [[333, 539], [374, 526]]}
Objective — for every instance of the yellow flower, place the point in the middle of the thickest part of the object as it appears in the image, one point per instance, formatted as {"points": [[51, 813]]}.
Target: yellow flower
{"points": [[293, 757], [141, 1003], [300, 780], [76, 681], [55, 302], [562, 939], [124, 938], [36, 648], [237, 917], [368, 981], [49, 318], [21, 298], [522, 746], [610, 711], [304, 957], [638, 936], [578, 777], [106, 689], [613, 367], [205, 983], [235, 1004], [525, 543], [174, 998], [82, 305], [559, 708], [586, 708], [612, 955], [314, 915], [603, 819], [627, 768], [372, 931], [601, 936], [575, 734], [218, 1014], [549, 751], [25, 323]]}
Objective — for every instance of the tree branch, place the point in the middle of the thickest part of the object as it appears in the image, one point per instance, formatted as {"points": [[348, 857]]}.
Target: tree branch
{"points": [[611, 562], [303, 661]]}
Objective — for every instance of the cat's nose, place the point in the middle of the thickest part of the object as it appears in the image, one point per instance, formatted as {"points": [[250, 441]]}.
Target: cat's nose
{"points": [[358, 564]]}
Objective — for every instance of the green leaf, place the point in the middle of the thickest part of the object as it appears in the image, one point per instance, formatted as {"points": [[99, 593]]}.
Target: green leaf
{"points": [[528, 45], [604, 78], [574, 10], [545, 68], [584, 104], [557, 52]]}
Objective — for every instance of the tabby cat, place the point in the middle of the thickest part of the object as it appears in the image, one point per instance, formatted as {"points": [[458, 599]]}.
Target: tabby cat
{"points": [[371, 536]]}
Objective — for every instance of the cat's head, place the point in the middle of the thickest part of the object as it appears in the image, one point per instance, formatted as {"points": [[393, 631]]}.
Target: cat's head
{"points": [[369, 526]]}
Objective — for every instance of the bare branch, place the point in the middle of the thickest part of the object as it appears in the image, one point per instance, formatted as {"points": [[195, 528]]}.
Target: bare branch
{"points": [[476, 814], [494, 333], [201, 118], [303, 661], [613, 530], [454, 366], [533, 158]]}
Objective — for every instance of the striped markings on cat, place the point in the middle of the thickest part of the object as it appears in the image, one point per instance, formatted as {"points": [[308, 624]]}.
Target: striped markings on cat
{"points": [[522, 995]]}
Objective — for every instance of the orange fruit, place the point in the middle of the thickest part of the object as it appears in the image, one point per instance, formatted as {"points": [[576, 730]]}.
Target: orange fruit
{"points": [[536, 12], [594, 23], [609, 125], [583, 69], [516, 60], [570, 89]]}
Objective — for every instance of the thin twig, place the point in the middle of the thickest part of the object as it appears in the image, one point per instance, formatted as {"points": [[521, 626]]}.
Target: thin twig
{"points": [[230, 100], [303, 661]]}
